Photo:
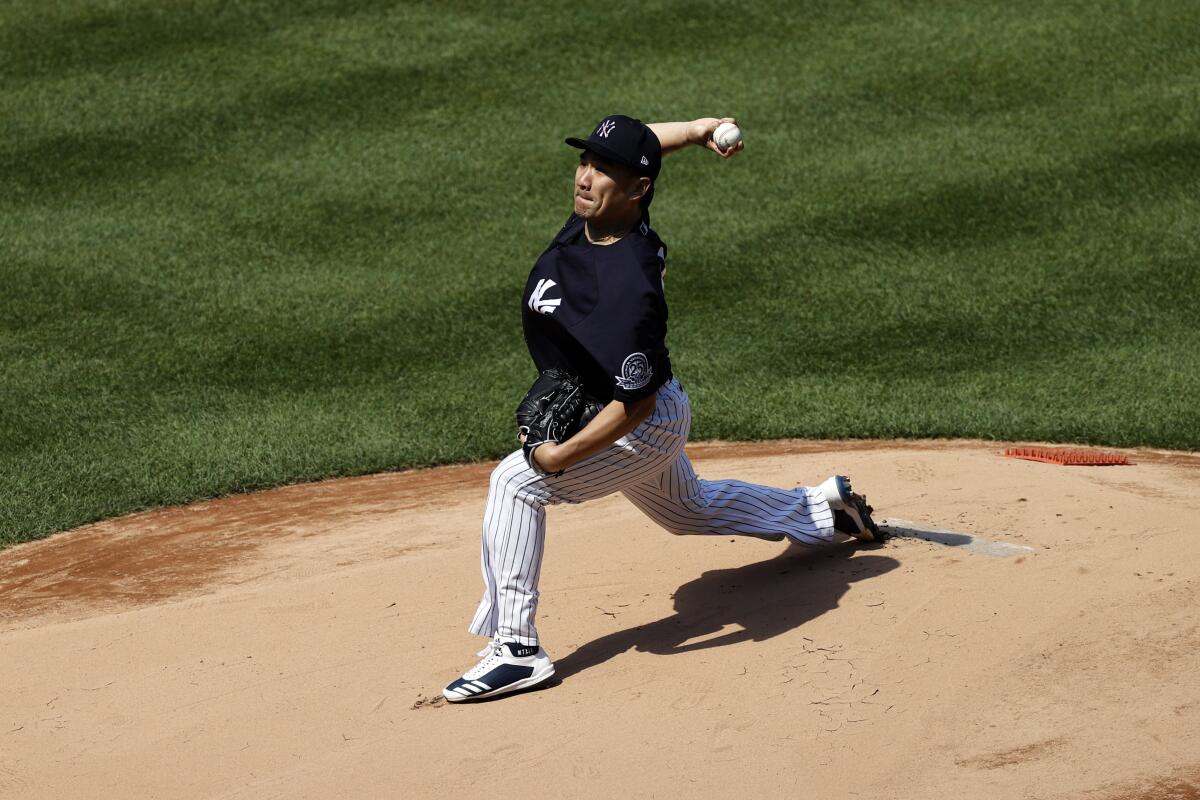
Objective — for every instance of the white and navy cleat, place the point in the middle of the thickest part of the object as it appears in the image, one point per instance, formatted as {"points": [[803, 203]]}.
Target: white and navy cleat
{"points": [[506, 667], [851, 514]]}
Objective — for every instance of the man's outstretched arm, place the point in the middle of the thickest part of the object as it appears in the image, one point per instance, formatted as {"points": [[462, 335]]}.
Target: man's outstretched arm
{"points": [[674, 136]]}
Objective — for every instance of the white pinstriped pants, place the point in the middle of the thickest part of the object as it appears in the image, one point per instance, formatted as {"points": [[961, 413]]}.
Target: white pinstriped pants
{"points": [[650, 468]]}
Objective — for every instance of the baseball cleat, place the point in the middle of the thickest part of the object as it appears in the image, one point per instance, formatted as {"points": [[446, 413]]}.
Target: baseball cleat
{"points": [[851, 514], [506, 667]]}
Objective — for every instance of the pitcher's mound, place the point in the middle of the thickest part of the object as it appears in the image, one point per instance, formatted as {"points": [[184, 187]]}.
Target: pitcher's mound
{"points": [[1030, 632]]}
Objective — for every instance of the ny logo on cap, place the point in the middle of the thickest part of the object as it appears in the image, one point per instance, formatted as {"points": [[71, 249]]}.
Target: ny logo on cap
{"points": [[606, 128]]}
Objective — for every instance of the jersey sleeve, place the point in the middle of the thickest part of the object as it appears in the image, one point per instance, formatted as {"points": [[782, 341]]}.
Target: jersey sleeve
{"points": [[626, 333]]}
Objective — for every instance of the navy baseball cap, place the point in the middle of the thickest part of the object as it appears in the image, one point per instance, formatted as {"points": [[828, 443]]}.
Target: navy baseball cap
{"points": [[624, 140]]}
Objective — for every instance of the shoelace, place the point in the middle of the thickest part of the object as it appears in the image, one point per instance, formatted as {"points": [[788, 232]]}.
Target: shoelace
{"points": [[490, 655], [490, 647]]}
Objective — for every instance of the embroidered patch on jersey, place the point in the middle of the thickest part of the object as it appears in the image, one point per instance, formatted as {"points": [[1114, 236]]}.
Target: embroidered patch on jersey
{"points": [[538, 302], [635, 372]]}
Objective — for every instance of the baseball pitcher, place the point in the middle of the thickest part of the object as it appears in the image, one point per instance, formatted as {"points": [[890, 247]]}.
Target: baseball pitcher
{"points": [[607, 414]]}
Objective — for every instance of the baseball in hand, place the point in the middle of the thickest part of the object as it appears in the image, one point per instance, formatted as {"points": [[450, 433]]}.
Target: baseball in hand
{"points": [[727, 135]]}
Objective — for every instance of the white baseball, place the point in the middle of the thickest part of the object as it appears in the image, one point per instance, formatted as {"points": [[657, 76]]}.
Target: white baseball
{"points": [[727, 135]]}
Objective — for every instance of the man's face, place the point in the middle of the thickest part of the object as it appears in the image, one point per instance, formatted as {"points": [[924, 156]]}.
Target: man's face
{"points": [[604, 189]]}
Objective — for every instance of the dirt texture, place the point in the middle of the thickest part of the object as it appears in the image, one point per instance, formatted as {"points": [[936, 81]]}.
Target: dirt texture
{"points": [[1032, 633]]}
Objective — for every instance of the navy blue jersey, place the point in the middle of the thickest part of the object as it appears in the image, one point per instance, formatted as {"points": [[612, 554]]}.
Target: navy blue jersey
{"points": [[598, 311]]}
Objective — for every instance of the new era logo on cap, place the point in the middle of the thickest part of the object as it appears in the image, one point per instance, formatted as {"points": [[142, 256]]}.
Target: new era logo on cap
{"points": [[645, 161]]}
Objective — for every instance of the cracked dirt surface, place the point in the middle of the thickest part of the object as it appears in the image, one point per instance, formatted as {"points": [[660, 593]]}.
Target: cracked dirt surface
{"points": [[293, 643]]}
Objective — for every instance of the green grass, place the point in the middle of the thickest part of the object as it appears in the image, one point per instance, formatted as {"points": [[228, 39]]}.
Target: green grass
{"points": [[251, 243]]}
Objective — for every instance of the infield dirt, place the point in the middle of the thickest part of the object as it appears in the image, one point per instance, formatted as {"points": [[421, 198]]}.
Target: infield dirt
{"points": [[293, 643]]}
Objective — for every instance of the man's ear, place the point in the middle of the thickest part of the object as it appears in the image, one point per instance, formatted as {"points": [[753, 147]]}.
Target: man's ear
{"points": [[640, 188]]}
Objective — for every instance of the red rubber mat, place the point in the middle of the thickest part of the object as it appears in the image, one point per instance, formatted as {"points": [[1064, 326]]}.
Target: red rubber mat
{"points": [[1068, 456]]}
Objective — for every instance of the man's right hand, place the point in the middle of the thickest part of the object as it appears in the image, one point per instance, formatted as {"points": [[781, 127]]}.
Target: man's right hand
{"points": [[701, 133]]}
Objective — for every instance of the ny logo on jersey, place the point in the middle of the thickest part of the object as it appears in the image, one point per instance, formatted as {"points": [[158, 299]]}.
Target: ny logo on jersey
{"points": [[606, 128], [536, 300]]}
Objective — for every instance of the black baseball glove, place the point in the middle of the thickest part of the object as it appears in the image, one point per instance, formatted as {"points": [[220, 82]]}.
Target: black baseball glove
{"points": [[555, 409]]}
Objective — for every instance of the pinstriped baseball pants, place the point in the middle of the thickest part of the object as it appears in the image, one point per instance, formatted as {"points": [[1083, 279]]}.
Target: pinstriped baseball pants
{"points": [[650, 468]]}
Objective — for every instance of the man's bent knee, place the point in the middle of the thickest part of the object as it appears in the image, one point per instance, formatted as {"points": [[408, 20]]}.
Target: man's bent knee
{"points": [[513, 480]]}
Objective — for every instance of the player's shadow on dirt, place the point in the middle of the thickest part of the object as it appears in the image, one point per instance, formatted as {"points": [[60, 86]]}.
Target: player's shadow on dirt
{"points": [[762, 600]]}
